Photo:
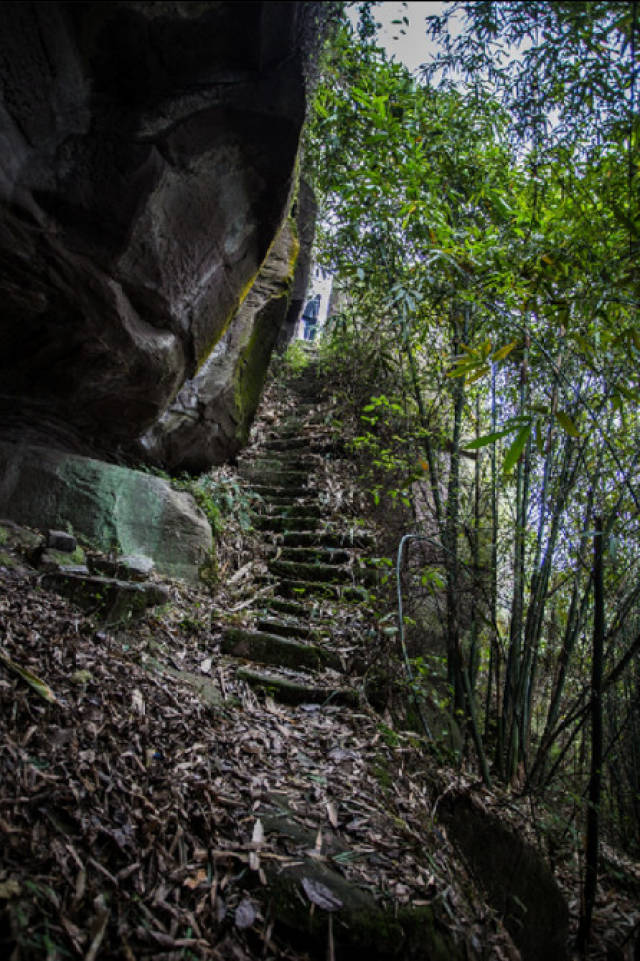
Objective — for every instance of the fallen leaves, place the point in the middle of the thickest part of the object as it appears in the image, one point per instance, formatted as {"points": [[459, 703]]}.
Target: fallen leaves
{"points": [[138, 820], [320, 895], [38, 685]]}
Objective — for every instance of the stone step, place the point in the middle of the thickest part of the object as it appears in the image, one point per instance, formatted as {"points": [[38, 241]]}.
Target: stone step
{"points": [[294, 570], [286, 628], [288, 607], [280, 524], [287, 461], [332, 538], [291, 691], [297, 590], [313, 555], [293, 443], [287, 509], [267, 491], [274, 477], [302, 428], [273, 649], [298, 443]]}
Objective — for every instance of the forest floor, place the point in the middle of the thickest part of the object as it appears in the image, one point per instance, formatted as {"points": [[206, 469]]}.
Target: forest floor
{"points": [[147, 798]]}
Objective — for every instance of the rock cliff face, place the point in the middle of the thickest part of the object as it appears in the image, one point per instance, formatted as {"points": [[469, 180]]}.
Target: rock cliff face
{"points": [[210, 418], [147, 164]]}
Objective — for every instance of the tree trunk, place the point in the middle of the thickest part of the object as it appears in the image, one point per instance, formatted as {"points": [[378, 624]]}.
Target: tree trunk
{"points": [[595, 780]]}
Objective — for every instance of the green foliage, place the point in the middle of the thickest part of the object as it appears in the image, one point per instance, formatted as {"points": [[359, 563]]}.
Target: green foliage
{"points": [[219, 499], [296, 358], [487, 347]]}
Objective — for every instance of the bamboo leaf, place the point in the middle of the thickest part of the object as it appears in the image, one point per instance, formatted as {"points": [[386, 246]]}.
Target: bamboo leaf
{"points": [[567, 424], [476, 375], [514, 452], [486, 440], [503, 352], [32, 680]]}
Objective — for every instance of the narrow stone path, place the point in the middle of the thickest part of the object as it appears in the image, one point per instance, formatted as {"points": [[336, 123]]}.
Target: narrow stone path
{"points": [[315, 561]]}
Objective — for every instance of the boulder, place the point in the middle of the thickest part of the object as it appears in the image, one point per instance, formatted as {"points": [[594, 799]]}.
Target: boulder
{"points": [[109, 507], [361, 929], [148, 161], [516, 879]]}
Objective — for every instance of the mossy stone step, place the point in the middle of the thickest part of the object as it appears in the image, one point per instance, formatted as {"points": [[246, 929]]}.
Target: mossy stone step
{"points": [[285, 628], [289, 607], [311, 572], [272, 649], [303, 427], [284, 493], [302, 442], [314, 555], [297, 590], [279, 524], [290, 691], [115, 600], [287, 461], [363, 928], [286, 443], [273, 476], [287, 509], [332, 538]]}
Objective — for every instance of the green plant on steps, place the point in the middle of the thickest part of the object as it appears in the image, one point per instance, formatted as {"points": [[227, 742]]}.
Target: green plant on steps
{"points": [[296, 358], [219, 499]]}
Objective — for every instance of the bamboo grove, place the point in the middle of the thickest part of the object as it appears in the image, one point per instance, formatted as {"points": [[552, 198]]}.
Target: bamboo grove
{"points": [[484, 234]]}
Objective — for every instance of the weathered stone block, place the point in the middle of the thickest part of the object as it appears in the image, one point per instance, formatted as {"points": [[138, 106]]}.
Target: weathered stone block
{"points": [[61, 541], [115, 601]]}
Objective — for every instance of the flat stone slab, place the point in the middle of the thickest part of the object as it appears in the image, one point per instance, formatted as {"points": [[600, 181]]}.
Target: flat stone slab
{"points": [[285, 493], [265, 647], [301, 442], [300, 589], [290, 691], [315, 555], [361, 927], [284, 628], [274, 476], [131, 567], [282, 524], [115, 600], [287, 509], [61, 541], [308, 538], [289, 607], [286, 461], [332, 574]]}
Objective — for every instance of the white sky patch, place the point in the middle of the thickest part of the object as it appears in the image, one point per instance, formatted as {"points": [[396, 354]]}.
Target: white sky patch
{"points": [[407, 44]]}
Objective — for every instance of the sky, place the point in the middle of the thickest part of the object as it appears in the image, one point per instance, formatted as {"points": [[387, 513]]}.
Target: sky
{"points": [[411, 46]]}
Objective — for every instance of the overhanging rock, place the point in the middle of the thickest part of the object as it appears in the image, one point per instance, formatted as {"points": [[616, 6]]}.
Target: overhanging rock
{"points": [[148, 156]]}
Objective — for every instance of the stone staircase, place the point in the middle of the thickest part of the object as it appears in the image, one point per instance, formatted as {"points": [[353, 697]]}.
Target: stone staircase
{"points": [[315, 562]]}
